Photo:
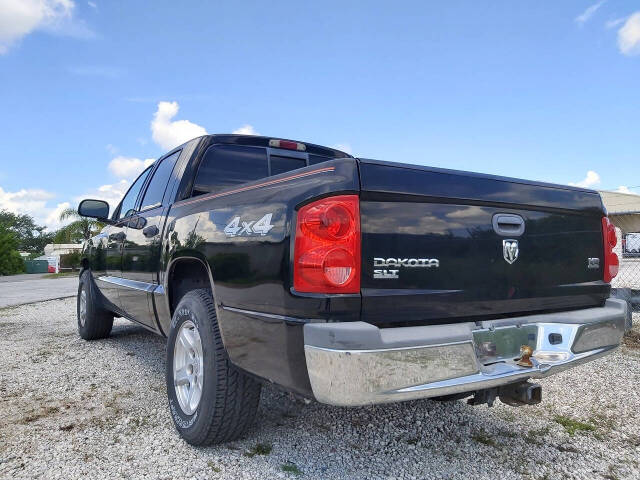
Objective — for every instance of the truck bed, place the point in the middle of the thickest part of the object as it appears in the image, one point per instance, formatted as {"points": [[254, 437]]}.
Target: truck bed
{"points": [[447, 217]]}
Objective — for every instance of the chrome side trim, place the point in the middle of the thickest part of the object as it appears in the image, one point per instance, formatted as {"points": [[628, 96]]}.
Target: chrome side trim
{"points": [[133, 284]]}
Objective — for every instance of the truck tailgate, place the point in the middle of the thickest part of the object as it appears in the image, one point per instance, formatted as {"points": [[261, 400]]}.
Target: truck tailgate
{"points": [[441, 246]]}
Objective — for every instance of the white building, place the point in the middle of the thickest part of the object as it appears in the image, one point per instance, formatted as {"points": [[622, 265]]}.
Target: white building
{"points": [[57, 249]]}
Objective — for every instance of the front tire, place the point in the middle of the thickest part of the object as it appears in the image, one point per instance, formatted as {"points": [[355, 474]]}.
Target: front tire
{"points": [[209, 399], [94, 322]]}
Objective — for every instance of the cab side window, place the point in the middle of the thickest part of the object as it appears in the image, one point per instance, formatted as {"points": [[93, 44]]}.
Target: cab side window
{"points": [[128, 203], [155, 193], [225, 165]]}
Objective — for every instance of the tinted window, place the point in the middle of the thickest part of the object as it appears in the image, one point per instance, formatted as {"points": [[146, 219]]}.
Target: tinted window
{"points": [[285, 164], [226, 165], [129, 200], [158, 184], [313, 159]]}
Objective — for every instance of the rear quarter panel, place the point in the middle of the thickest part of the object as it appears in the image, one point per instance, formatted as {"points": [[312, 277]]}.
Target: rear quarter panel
{"points": [[260, 317]]}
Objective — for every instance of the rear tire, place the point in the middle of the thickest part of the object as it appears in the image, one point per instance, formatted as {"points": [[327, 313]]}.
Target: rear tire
{"points": [[94, 322], [209, 399]]}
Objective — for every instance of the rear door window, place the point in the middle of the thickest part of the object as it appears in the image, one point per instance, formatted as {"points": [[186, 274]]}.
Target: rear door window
{"points": [[154, 195], [225, 165]]}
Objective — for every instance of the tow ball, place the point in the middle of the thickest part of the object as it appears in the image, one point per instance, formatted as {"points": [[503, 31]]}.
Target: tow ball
{"points": [[525, 356]]}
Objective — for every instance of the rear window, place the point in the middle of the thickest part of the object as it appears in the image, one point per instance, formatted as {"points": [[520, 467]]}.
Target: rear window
{"points": [[285, 164], [313, 159], [225, 165]]}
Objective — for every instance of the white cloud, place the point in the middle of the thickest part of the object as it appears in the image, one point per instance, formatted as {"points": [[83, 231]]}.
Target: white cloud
{"points": [[19, 18], [37, 202], [614, 23], [24, 200], [629, 35], [245, 130], [128, 167], [169, 134], [52, 220], [111, 193], [592, 179], [92, 5], [625, 189], [588, 13], [343, 147], [30, 201]]}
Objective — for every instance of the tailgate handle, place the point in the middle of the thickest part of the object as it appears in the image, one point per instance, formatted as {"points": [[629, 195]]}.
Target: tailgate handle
{"points": [[508, 224]]}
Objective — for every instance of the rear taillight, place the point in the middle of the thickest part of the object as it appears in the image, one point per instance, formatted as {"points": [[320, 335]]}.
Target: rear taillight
{"points": [[610, 240], [326, 257]]}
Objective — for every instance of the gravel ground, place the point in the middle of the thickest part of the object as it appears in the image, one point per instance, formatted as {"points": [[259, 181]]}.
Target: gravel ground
{"points": [[73, 409]]}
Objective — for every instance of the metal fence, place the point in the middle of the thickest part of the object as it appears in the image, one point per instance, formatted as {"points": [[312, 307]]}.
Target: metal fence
{"points": [[627, 282]]}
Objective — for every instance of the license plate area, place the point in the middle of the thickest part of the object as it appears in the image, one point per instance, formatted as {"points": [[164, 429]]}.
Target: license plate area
{"points": [[503, 343]]}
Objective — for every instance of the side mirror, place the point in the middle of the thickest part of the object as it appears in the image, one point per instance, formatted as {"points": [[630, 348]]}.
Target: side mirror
{"points": [[94, 208]]}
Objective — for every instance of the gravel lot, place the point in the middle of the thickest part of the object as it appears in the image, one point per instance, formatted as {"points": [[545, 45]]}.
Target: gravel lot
{"points": [[73, 409]]}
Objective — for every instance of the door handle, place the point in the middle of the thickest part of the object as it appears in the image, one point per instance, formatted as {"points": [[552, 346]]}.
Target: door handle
{"points": [[508, 224], [117, 237], [150, 231]]}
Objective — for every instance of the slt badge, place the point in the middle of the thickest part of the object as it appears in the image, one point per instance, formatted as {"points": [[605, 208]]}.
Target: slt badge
{"points": [[401, 262], [510, 250]]}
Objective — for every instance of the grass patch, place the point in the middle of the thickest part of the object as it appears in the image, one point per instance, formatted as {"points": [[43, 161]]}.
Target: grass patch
{"points": [[259, 449], [213, 466], [603, 420], [572, 425], [533, 436], [5, 311], [290, 467], [483, 438], [631, 339], [508, 416]]}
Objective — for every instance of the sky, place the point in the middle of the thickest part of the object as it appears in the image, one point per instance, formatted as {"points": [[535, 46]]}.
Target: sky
{"points": [[91, 91]]}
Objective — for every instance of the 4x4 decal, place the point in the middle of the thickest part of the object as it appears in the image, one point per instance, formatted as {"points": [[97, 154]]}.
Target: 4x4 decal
{"points": [[238, 228]]}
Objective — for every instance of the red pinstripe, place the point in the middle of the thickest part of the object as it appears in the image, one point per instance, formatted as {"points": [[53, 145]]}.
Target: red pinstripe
{"points": [[252, 187]]}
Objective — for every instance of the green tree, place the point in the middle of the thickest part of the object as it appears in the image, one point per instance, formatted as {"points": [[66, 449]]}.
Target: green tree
{"points": [[10, 260], [31, 237], [81, 228]]}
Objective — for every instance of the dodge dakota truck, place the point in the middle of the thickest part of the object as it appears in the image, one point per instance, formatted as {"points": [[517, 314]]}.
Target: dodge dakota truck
{"points": [[346, 280]]}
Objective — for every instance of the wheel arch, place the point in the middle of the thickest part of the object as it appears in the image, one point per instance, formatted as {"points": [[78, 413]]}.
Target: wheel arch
{"points": [[186, 273]]}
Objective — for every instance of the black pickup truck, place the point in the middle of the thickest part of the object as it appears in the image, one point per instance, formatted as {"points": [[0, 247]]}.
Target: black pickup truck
{"points": [[347, 280]]}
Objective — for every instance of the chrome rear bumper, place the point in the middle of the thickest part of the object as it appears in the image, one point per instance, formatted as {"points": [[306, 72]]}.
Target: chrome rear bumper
{"points": [[356, 363]]}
